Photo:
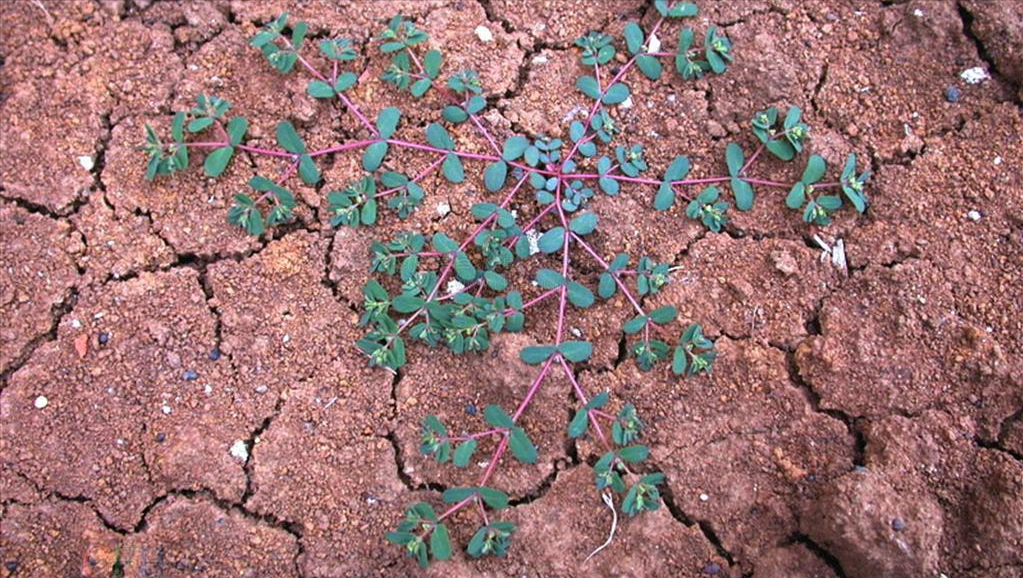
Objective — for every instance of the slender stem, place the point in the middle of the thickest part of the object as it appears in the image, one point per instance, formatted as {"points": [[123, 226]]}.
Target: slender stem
{"points": [[625, 290], [344, 99], [433, 166], [582, 397], [540, 298]]}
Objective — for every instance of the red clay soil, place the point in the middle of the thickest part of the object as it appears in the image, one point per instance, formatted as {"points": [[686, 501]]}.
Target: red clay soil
{"points": [[179, 399]]}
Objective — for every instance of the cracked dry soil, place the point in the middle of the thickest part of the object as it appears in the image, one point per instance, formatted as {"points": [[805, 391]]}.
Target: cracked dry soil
{"points": [[207, 415]]}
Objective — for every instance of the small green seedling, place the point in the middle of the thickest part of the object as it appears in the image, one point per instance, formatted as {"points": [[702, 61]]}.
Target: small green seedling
{"points": [[430, 290]]}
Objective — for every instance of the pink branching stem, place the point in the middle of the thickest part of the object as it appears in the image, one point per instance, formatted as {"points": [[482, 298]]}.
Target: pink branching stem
{"points": [[564, 263], [540, 298], [344, 99], [422, 175], [625, 290], [582, 397], [483, 131], [683, 182], [344, 147], [752, 158], [621, 72], [468, 155], [530, 224], [489, 432]]}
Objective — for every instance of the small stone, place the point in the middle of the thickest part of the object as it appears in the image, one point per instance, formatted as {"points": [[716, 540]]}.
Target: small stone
{"points": [[161, 437], [653, 44], [240, 450], [898, 524], [627, 103], [443, 208], [704, 497], [715, 129], [261, 389], [11, 566], [952, 94], [997, 161], [973, 216], [712, 568], [87, 162], [540, 59], [41, 402], [974, 75], [82, 345], [918, 13], [166, 410], [411, 401], [484, 34], [190, 375], [470, 408], [215, 353], [76, 324], [103, 338]]}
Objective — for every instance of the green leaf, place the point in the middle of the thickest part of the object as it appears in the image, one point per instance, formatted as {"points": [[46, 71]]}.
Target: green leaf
{"points": [[552, 240], [576, 351], [420, 87], [387, 121], [453, 169], [406, 303], [579, 423], [782, 149], [454, 114], [815, 169], [796, 197], [633, 37], [521, 447], [633, 454], [431, 63], [463, 453], [635, 325], [743, 192], [549, 278], [588, 86], [584, 223], [679, 361], [319, 89], [598, 401], [735, 158], [650, 66], [606, 286], [217, 161], [514, 147], [438, 136], [536, 354], [199, 124], [663, 315], [495, 175], [665, 197], [464, 268], [374, 156], [307, 170], [289, 139], [444, 244], [830, 202], [440, 543], [579, 295], [455, 495], [677, 170], [494, 498], [495, 280], [608, 185], [236, 129], [616, 94]]}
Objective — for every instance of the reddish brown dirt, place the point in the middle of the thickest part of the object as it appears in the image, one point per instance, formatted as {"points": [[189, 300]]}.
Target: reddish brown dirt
{"points": [[858, 423]]}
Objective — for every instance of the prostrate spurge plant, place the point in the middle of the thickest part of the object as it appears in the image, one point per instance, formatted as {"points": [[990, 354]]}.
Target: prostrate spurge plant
{"points": [[467, 301]]}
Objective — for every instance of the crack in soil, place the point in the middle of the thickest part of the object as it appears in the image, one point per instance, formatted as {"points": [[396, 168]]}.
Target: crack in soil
{"points": [[57, 313], [967, 19], [820, 552]]}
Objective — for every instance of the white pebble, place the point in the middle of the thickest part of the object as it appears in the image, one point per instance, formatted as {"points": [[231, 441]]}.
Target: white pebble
{"points": [[455, 286], [443, 208], [575, 331], [974, 75], [166, 410], [240, 451], [533, 238], [41, 402], [76, 324], [998, 160], [653, 44], [484, 33], [627, 103], [540, 59], [973, 215], [704, 497], [87, 162], [207, 388], [918, 13]]}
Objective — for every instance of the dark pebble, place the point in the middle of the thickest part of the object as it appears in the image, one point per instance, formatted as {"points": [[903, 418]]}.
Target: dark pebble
{"points": [[215, 353], [11, 566], [712, 568], [470, 408], [952, 94], [191, 375], [160, 437], [104, 337], [898, 524]]}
